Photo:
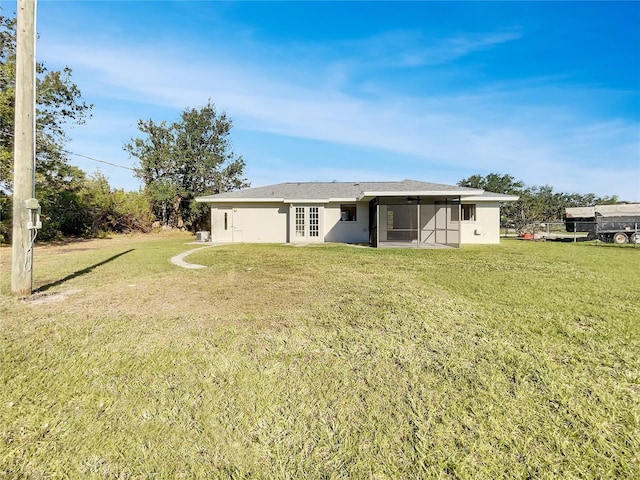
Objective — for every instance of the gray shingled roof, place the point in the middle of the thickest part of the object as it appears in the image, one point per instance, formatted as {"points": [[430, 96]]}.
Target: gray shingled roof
{"points": [[340, 190]]}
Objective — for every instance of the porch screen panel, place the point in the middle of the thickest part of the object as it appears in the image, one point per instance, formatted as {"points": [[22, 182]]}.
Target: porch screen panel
{"points": [[448, 222], [402, 223], [441, 223], [453, 222], [428, 223]]}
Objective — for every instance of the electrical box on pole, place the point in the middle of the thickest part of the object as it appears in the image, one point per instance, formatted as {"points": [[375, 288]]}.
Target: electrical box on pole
{"points": [[26, 209]]}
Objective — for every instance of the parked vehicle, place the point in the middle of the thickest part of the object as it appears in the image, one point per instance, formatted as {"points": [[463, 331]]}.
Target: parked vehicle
{"points": [[608, 223]]}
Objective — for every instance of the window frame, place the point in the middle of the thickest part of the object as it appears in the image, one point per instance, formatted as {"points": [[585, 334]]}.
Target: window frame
{"points": [[468, 212], [351, 209]]}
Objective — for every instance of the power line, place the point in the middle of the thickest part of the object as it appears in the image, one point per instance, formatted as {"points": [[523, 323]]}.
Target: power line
{"points": [[8, 134], [100, 161]]}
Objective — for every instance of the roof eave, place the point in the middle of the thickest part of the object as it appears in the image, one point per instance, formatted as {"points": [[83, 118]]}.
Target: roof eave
{"points": [[419, 193], [239, 200], [342, 199], [306, 200], [488, 198]]}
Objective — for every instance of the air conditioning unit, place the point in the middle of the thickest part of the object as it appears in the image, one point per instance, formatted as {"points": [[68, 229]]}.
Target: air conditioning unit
{"points": [[202, 236]]}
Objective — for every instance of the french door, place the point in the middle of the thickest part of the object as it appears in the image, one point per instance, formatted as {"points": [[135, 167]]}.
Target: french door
{"points": [[307, 224]]}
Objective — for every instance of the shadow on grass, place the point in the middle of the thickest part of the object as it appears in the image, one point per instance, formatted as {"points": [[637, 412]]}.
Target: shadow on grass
{"points": [[84, 271]]}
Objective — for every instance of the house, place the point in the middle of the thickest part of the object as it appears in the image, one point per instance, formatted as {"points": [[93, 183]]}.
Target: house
{"points": [[406, 213]]}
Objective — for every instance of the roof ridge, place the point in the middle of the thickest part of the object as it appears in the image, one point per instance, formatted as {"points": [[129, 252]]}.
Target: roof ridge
{"points": [[341, 181]]}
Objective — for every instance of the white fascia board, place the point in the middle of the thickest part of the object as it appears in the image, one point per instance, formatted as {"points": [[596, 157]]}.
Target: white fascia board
{"points": [[487, 198], [229, 200], [305, 200], [420, 193], [343, 200]]}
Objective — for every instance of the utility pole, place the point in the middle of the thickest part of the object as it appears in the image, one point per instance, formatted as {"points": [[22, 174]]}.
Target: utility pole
{"points": [[24, 151]]}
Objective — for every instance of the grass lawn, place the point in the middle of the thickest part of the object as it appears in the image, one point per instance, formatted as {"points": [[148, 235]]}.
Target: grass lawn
{"points": [[514, 361]]}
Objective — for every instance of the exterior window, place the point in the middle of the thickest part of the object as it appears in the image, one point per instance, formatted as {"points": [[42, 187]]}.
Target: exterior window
{"points": [[300, 221], [226, 221], [348, 212], [469, 212], [314, 221]]}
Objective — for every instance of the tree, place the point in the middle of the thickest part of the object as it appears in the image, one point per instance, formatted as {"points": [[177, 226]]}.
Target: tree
{"points": [[114, 210], [187, 158], [494, 182], [58, 104], [63, 211]]}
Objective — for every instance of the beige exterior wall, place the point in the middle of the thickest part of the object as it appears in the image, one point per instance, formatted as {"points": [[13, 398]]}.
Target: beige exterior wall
{"points": [[486, 227], [250, 223], [275, 223], [336, 230]]}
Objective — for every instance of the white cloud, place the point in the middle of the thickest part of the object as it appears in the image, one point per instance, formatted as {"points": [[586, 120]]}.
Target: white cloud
{"points": [[412, 48], [498, 131]]}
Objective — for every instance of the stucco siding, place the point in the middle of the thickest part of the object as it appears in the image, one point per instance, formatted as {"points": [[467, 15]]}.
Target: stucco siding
{"points": [[485, 229], [337, 230], [250, 223]]}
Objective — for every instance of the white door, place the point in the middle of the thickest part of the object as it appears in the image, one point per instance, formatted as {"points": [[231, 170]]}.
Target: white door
{"points": [[225, 224], [307, 224]]}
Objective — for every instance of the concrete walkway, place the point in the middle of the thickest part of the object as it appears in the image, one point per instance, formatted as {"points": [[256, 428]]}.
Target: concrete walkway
{"points": [[179, 259]]}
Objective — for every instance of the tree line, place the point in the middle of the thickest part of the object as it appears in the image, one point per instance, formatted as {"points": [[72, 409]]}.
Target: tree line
{"points": [[72, 203], [177, 162], [536, 204]]}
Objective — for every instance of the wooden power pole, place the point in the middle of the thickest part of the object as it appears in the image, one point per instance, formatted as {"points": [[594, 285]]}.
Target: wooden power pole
{"points": [[24, 151]]}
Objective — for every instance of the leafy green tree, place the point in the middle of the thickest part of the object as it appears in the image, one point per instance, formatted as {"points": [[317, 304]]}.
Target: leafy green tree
{"points": [[7, 82], [5, 217], [185, 159], [63, 211], [114, 210], [158, 165], [58, 104], [494, 182]]}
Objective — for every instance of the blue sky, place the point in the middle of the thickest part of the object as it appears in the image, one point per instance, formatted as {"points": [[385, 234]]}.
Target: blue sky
{"points": [[547, 92]]}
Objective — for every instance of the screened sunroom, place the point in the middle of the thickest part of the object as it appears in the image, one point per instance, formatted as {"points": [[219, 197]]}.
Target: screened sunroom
{"points": [[420, 222]]}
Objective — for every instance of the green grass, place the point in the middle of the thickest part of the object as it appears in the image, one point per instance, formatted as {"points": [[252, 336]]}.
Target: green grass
{"points": [[511, 361]]}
